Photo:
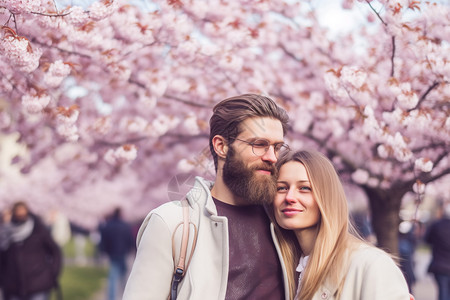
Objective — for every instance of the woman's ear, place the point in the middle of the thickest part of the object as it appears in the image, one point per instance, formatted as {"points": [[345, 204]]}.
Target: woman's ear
{"points": [[220, 146]]}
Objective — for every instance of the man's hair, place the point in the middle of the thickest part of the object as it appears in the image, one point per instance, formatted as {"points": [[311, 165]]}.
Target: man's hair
{"points": [[231, 112]]}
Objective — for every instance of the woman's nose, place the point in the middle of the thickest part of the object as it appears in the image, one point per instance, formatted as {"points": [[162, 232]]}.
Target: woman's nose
{"points": [[290, 196]]}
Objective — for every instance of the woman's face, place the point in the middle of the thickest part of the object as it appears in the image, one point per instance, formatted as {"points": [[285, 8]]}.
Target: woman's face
{"points": [[294, 206]]}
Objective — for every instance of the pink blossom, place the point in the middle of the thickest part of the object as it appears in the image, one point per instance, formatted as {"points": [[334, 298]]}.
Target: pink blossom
{"points": [[419, 187], [120, 70], [124, 154], [5, 120], [360, 176], [139, 75], [65, 121], [158, 87], [135, 125], [209, 49], [347, 4], [353, 76], [302, 120], [56, 73], [373, 182], [18, 6], [19, 53], [407, 100], [69, 116], [180, 85], [334, 87], [77, 16], [231, 62], [185, 165], [102, 125], [383, 151], [162, 124], [147, 101], [68, 131], [102, 9], [35, 104], [5, 85], [191, 125], [423, 164]]}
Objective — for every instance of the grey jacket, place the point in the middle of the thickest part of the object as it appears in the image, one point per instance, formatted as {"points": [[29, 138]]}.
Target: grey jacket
{"points": [[207, 275], [372, 275]]}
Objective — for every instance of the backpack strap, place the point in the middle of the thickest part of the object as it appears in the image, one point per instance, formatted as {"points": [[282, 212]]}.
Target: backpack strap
{"points": [[181, 267]]}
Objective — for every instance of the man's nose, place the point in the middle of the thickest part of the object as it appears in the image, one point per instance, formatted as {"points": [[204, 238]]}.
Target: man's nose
{"points": [[270, 155]]}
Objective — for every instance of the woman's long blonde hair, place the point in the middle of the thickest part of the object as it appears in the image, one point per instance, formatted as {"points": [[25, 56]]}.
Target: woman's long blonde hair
{"points": [[327, 260]]}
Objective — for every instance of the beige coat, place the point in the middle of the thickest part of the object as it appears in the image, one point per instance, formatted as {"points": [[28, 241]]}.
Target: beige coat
{"points": [[207, 275], [372, 275]]}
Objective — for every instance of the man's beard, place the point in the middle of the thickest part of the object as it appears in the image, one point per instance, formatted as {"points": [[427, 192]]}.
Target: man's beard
{"points": [[244, 182]]}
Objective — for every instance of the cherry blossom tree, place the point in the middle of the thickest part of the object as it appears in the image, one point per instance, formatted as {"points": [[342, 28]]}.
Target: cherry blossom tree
{"points": [[115, 99]]}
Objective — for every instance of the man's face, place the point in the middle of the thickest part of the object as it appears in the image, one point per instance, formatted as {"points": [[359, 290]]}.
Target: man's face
{"points": [[249, 176], [20, 215]]}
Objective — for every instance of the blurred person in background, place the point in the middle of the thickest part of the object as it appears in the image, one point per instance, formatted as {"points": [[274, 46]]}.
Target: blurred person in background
{"points": [[117, 242], [30, 259], [407, 243], [438, 236], [5, 217], [59, 227]]}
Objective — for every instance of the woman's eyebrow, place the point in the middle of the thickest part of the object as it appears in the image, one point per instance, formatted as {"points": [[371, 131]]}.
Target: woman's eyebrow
{"points": [[298, 181]]}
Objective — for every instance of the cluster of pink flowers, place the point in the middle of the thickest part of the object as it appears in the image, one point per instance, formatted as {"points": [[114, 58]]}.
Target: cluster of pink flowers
{"points": [[102, 9], [162, 124], [35, 103], [353, 76], [148, 76], [77, 16], [19, 6], [360, 176], [124, 154], [424, 165], [66, 119], [135, 125], [18, 51], [56, 73]]}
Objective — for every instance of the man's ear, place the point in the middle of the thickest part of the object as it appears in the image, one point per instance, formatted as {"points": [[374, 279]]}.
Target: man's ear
{"points": [[220, 146]]}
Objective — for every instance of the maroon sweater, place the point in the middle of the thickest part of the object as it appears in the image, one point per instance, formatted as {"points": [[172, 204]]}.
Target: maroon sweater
{"points": [[254, 267]]}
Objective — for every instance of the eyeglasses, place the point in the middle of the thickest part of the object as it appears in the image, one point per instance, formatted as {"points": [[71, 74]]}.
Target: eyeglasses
{"points": [[261, 146]]}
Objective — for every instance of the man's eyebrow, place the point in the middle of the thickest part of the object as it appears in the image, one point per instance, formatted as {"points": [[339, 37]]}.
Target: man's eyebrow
{"points": [[264, 139]]}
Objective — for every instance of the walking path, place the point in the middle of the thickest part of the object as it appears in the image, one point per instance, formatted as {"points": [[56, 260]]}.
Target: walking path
{"points": [[425, 287]]}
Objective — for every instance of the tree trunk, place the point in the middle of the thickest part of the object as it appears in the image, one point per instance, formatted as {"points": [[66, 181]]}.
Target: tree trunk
{"points": [[385, 209]]}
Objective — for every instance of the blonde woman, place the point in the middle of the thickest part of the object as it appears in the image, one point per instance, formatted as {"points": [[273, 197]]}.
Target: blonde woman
{"points": [[324, 259]]}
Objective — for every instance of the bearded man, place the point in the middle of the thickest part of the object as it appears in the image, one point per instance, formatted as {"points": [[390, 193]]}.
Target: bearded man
{"points": [[236, 254]]}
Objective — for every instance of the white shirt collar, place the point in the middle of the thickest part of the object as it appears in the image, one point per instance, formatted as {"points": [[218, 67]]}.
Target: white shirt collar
{"points": [[302, 263]]}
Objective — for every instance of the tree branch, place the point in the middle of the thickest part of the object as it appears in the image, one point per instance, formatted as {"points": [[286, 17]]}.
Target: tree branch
{"points": [[50, 15], [378, 15], [141, 85], [422, 98], [392, 56], [290, 54], [186, 101], [60, 49], [392, 38]]}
